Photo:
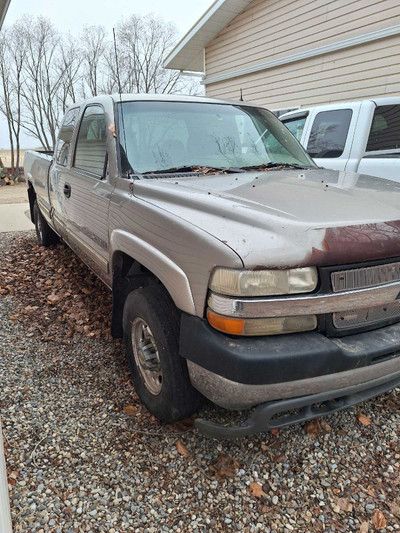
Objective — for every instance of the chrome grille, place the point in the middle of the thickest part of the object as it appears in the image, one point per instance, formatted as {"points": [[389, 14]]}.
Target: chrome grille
{"points": [[361, 278], [366, 316]]}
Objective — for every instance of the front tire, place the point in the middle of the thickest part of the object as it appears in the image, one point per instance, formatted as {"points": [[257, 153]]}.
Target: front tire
{"points": [[45, 235], [159, 373]]}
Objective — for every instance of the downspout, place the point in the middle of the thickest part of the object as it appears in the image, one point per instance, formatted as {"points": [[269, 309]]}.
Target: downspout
{"points": [[5, 515]]}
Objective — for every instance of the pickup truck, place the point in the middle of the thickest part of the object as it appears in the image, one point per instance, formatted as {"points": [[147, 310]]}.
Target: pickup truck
{"points": [[239, 270], [361, 136]]}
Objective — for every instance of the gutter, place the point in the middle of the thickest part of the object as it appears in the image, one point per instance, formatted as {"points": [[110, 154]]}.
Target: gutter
{"points": [[3, 13]]}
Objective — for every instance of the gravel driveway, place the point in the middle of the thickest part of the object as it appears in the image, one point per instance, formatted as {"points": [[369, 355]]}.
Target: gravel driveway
{"points": [[84, 455]]}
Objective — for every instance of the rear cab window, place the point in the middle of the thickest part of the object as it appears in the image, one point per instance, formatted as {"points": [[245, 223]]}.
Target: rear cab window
{"points": [[385, 129], [61, 151], [329, 133]]}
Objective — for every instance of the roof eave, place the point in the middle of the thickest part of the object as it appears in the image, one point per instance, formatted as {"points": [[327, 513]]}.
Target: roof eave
{"points": [[188, 54]]}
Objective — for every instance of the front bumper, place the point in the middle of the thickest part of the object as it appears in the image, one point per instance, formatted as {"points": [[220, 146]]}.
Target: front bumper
{"points": [[240, 372], [272, 415]]}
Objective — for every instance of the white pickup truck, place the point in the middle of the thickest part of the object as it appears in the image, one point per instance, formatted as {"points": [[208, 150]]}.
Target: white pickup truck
{"points": [[361, 136]]}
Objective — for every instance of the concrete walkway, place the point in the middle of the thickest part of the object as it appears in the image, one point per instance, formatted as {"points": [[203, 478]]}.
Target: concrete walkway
{"points": [[13, 217], [13, 208]]}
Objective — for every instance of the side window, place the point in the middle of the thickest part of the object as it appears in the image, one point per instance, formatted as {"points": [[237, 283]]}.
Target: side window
{"points": [[329, 133], [385, 129], [90, 150], [65, 136], [296, 126]]}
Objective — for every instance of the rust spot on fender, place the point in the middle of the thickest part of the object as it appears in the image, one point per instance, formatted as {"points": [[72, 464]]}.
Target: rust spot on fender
{"points": [[351, 244]]}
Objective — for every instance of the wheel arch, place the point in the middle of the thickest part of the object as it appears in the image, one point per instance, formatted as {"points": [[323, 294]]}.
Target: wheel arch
{"points": [[135, 263]]}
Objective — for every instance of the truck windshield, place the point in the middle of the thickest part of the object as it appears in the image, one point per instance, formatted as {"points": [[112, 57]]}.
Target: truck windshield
{"points": [[156, 136]]}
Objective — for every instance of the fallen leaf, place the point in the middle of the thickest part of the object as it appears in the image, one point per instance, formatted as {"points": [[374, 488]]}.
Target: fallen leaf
{"points": [[336, 491], [256, 490], [395, 508], [275, 432], [325, 425], [182, 426], [129, 410], [224, 466], [344, 504], [54, 298], [182, 450], [364, 527], [379, 520], [364, 420], [312, 428]]}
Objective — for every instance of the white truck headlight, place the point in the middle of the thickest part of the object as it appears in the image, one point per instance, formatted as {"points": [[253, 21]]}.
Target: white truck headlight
{"points": [[233, 282]]}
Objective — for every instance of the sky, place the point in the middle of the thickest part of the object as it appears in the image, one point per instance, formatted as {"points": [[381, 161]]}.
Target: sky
{"points": [[74, 15]]}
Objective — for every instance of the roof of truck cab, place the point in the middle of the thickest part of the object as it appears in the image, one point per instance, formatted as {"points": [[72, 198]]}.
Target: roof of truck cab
{"points": [[161, 98], [390, 100]]}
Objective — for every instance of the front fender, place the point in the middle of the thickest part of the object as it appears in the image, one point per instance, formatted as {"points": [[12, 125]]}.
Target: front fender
{"points": [[169, 273]]}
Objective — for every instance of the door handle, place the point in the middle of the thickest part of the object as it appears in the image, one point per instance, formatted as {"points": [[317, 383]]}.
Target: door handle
{"points": [[67, 190]]}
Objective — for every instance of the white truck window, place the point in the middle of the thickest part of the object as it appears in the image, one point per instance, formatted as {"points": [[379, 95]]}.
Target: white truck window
{"points": [[65, 136], [385, 129], [296, 126], [90, 151], [329, 133]]}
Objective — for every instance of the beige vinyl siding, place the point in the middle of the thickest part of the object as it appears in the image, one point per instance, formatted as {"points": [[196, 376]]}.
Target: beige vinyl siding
{"points": [[269, 29], [363, 71]]}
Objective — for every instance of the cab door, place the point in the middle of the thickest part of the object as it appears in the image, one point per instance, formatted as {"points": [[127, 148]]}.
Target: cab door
{"points": [[330, 135], [89, 191], [58, 173]]}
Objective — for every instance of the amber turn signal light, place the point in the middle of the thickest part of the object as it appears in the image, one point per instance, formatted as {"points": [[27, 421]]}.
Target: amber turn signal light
{"points": [[234, 326]]}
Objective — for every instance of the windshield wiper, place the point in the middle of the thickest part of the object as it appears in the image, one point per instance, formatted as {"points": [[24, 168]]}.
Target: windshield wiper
{"points": [[276, 165], [196, 168]]}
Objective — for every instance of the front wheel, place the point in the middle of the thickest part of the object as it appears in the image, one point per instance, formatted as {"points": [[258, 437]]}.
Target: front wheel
{"points": [[159, 373], [45, 235]]}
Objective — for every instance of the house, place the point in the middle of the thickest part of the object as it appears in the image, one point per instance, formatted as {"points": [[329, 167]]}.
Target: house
{"points": [[3, 10], [289, 53]]}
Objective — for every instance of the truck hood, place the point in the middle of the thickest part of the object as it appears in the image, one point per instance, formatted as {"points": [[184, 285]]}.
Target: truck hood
{"points": [[286, 218]]}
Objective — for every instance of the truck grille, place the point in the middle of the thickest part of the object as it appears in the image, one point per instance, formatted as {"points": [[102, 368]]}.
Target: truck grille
{"points": [[361, 278], [366, 317]]}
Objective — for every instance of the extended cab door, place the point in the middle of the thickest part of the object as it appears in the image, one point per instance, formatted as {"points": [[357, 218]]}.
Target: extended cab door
{"points": [[87, 205], [59, 170], [330, 134]]}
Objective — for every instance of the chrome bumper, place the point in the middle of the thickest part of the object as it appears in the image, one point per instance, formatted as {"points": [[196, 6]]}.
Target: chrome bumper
{"points": [[312, 304]]}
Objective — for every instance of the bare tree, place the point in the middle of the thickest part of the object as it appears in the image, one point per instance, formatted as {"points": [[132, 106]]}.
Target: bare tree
{"points": [[12, 54], [143, 42], [43, 71], [94, 46], [68, 65], [42, 109]]}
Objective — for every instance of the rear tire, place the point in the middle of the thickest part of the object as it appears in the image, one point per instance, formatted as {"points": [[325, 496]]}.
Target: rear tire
{"points": [[45, 235], [159, 373]]}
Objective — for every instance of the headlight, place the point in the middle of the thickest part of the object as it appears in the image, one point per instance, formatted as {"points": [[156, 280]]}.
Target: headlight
{"points": [[261, 326], [263, 282]]}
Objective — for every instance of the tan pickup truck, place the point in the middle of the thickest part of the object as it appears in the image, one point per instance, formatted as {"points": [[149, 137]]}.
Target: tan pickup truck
{"points": [[240, 271]]}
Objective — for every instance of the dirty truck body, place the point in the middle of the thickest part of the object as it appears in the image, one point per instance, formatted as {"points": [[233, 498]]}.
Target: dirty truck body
{"points": [[240, 271]]}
